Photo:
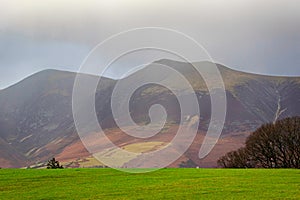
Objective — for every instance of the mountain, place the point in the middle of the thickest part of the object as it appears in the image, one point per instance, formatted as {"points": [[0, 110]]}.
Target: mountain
{"points": [[36, 121]]}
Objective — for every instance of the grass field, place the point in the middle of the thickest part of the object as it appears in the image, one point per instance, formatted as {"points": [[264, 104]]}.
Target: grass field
{"points": [[162, 184]]}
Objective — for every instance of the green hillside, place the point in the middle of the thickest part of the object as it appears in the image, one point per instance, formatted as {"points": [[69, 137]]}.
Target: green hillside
{"points": [[162, 184]]}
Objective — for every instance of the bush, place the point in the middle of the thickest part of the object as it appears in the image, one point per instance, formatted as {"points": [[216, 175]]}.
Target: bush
{"points": [[187, 164], [274, 145], [53, 164]]}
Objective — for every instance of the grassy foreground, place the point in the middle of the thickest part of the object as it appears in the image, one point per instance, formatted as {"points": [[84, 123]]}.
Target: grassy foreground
{"points": [[162, 184]]}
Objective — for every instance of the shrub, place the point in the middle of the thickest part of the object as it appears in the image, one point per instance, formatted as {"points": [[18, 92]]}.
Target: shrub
{"points": [[53, 164]]}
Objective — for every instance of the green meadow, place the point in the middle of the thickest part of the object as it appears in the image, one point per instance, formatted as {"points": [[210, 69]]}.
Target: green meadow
{"points": [[161, 184]]}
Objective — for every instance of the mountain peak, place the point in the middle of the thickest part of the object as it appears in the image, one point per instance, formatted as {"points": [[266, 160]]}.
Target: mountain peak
{"points": [[36, 114]]}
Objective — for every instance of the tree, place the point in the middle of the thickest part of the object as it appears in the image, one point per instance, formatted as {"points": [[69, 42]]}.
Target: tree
{"points": [[53, 164], [274, 145], [236, 159]]}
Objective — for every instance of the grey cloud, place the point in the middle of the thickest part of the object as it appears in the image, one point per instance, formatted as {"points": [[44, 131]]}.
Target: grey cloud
{"points": [[255, 36], [20, 57]]}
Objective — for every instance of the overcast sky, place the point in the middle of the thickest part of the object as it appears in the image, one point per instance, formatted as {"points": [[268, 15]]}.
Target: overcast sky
{"points": [[249, 35]]}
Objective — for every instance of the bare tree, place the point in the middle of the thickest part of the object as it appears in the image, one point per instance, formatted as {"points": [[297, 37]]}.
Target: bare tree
{"points": [[236, 159], [271, 146]]}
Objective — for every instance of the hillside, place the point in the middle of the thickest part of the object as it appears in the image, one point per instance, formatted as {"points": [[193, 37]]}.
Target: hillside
{"points": [[36, 120]]}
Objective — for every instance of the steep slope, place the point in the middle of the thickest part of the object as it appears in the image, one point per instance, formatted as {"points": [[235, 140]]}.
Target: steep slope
{"points": [[36, 120], [36, 113]]}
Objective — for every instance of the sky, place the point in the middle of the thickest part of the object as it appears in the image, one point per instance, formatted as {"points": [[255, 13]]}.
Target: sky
{"points": [[249, 35]]}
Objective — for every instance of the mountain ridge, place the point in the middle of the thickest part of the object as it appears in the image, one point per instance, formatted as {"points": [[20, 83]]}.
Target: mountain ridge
{"points": [[36, 120], [219, 65]]}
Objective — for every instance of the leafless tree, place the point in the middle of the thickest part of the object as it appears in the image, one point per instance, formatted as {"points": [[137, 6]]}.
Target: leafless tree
{"points": [[271, 146]]}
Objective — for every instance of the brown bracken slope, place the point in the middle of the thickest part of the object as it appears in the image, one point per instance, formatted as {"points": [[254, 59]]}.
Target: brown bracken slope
{"points": [[36, 121]]}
